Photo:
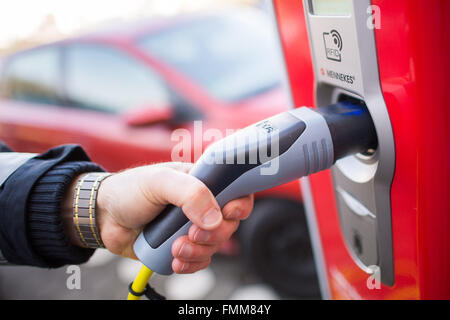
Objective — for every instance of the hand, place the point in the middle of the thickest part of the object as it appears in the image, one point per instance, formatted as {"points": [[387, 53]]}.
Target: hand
{"points": [[129, 200]]}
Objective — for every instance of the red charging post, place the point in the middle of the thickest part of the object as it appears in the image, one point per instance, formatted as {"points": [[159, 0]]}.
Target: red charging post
{"points": [[407, 223]]}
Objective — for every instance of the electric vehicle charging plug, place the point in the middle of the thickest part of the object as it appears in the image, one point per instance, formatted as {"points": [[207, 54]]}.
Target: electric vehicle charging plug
{"points": [[271, 152]]}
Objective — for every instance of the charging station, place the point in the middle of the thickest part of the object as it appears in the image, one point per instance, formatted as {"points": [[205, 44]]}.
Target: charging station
{"points": [[379, 217], [379, 220]]}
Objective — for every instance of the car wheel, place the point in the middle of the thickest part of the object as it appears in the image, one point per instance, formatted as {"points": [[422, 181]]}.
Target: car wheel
{"points": [[275, 243]]}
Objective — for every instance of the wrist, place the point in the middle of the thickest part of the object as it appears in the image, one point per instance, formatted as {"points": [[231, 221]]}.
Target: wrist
{"points": [[67, 213], [83, 212], [102, 207]]}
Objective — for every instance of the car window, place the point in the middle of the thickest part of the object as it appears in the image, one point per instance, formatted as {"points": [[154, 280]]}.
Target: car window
{"points": [[233, 56], [33, 76], [105, 79]]}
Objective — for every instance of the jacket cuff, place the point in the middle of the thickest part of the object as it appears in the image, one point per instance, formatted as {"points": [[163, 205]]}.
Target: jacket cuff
{"points": [[46, 232]]}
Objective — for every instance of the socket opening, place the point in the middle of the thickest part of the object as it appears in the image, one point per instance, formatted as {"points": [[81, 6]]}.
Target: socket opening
{"points": [[369, 154]]}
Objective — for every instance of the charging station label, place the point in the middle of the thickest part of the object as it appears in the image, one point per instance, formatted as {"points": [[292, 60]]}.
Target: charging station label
{"points": [[336, 50], [333, 45], [350, 79]]}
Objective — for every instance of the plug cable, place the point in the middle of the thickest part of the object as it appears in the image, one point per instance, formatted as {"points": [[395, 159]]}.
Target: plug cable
{"points": [[140, 286]]}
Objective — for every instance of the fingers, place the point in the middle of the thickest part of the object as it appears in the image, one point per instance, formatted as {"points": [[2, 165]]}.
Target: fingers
{"points": [[234, 211], [201, 207], [180, 266], [188, 193], [190, 257], [213, 237], [193, 252], [238, 209], [186, 250]]}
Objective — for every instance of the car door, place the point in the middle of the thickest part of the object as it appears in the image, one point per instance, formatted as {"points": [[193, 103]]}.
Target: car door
{"points": [[31, 100]]}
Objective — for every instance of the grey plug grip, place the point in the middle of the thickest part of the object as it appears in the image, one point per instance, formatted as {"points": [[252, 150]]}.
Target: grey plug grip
{"points": [[310, 152]]}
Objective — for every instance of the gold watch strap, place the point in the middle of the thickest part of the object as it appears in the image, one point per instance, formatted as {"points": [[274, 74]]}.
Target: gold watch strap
{"points": [[84, 202]]}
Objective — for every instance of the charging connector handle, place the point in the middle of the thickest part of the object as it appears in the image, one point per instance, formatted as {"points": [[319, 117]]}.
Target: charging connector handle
{"points": [[269, 153]]}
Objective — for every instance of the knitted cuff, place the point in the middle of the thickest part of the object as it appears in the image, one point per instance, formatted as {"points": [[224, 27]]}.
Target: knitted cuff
{"points": [[45, 227]]}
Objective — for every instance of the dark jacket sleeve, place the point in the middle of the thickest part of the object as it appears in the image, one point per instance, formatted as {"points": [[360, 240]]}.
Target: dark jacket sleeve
{"points": [[31, 231]]}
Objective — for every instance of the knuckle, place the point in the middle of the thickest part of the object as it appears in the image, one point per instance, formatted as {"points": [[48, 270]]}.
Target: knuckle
{"points": [[197, 190], [246, 214], [205, 264], [234, 227], [176, 246], [159, 173], [227, 232], [219, 237], [200, 190]]}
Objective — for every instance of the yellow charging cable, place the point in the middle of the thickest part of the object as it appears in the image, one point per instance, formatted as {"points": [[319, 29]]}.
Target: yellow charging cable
{"points": [[139, 284]]}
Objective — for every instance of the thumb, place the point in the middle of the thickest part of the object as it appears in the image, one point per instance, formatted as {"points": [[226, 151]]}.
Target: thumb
{"points": [[168, 185]]}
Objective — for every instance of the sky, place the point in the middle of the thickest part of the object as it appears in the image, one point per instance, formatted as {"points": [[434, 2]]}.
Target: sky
{"points": [[20, 18]]}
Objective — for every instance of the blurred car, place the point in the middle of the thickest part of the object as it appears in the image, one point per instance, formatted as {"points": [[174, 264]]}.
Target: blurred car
{"points": [[121, 92]]}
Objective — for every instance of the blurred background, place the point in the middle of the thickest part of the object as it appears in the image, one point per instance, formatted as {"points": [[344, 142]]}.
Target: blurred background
{"points": [[118, 77]]}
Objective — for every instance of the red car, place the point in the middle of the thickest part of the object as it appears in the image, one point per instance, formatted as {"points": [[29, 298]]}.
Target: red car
{"points": [[121, 93]]}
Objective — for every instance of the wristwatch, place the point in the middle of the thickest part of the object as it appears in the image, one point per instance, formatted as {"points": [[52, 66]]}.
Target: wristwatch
{"points": [[84, 202]]}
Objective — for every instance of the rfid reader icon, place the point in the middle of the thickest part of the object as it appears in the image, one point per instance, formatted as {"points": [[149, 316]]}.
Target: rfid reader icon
{"points": [[333, 45]]}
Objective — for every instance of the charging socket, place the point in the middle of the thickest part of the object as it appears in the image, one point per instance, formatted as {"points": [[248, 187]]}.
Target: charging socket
{"points": [[362, 189]]}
